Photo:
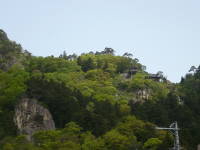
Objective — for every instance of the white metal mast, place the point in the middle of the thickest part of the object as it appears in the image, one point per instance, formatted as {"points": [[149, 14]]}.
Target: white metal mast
{"points": [[174, 129]]}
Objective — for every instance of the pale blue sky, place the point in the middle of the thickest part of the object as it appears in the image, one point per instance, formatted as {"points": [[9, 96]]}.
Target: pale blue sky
{"points": [[163, 34]]}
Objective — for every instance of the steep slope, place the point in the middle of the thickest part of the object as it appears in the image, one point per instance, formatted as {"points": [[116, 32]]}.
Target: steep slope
{"points": [[96, 97]]}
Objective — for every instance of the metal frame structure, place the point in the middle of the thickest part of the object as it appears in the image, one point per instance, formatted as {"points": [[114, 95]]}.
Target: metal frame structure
{"points": [[174, 129]]}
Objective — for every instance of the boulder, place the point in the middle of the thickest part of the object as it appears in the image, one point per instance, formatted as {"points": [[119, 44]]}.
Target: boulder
{"points": [[31, 117]]}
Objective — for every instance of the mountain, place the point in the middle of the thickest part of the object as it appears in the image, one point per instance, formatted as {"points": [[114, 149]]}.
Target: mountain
{"points": [[97, 101]]}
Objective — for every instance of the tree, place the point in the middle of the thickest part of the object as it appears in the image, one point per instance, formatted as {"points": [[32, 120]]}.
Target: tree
{"points": [[127, 54], [64, 55], [108, 51], [116, 141], [152, 144], [192, 69]]}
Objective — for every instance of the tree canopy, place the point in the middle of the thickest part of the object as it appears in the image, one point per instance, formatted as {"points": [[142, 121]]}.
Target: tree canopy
{"points": [[98, 100]]}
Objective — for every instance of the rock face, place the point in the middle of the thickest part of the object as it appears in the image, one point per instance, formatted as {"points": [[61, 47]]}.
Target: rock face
{"points": [[31, 117], [143, 94]]}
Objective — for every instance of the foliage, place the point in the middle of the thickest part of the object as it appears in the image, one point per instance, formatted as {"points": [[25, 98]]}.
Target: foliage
{"points": [[152, 144], [98, 100], [51, 64], [12, 87]]}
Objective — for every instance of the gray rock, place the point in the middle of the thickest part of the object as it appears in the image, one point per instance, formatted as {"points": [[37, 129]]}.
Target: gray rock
{"points": [[31, 117], [143, 94]]}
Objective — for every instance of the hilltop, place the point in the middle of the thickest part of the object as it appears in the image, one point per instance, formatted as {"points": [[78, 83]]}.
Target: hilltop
{"points": [[97, 101]]}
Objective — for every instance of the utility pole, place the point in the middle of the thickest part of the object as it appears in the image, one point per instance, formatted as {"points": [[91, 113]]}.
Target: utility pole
{"points": [[174, 129]]}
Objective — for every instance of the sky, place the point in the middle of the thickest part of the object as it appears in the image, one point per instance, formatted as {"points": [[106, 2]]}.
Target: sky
{"points": [[163, 34]]}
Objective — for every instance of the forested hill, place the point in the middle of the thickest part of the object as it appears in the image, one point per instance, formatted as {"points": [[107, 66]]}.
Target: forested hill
{"points": [[98, 101]]}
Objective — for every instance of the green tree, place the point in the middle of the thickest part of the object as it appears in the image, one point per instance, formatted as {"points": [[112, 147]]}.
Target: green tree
{"points": [[152, 144]]}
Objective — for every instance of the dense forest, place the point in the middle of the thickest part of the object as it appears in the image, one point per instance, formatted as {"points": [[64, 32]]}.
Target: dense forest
{"points": [[99, 101]]}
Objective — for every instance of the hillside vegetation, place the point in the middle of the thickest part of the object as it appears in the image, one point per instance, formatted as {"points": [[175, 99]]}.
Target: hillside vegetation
{"points": [[99, 101]]}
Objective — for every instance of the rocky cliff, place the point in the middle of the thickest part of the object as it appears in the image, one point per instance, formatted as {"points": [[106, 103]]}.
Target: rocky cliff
{"points": [[31, 117]]}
